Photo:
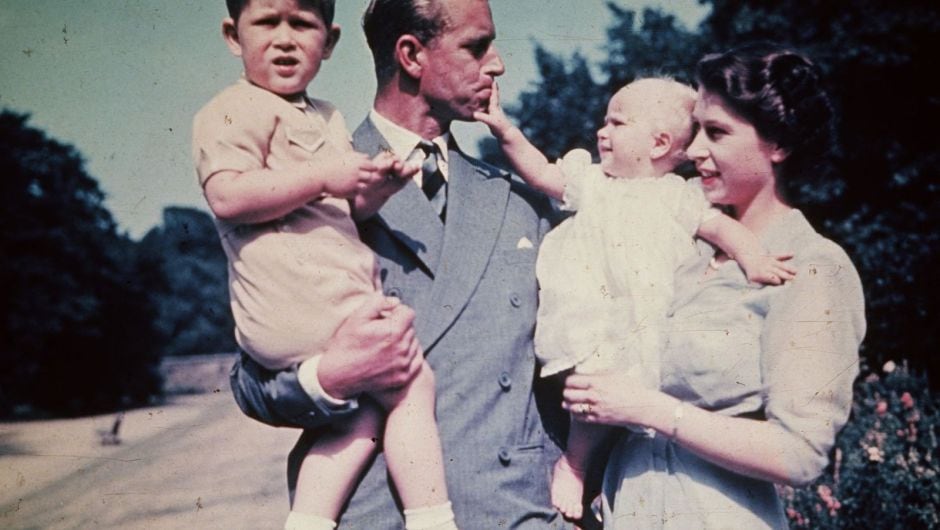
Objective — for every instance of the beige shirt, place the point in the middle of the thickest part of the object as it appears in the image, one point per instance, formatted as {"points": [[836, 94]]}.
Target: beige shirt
{"points": [[293, 280]]}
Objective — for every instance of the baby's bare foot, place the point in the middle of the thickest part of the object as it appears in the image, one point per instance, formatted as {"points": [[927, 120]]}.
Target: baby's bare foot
{"points": [[568, 489]]}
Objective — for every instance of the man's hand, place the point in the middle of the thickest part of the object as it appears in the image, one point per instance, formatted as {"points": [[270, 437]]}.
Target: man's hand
{"points": [[374, 349], [389, 175]]}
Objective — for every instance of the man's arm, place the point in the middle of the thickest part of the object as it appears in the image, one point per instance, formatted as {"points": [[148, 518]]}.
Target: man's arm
{"points": [[374, 349]]}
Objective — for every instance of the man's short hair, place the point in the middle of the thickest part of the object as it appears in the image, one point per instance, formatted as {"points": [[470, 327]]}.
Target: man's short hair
{"points": [[327, 8], [385, 21]]}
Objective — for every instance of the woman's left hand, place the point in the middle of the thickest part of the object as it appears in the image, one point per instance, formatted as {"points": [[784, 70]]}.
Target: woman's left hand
{"points": [[613, 398]]}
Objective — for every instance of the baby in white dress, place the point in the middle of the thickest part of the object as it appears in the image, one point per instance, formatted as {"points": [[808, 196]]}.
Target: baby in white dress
{"points": [[606, 273]]}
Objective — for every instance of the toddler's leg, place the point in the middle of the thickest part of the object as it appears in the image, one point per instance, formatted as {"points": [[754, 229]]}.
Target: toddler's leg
{"points": [[413, 453], [584, 439], [334, 464]]}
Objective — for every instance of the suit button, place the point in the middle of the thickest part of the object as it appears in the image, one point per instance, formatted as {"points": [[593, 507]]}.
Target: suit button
{"points": [[394, 292], [515, 300], [505, 382], [504, 457]]}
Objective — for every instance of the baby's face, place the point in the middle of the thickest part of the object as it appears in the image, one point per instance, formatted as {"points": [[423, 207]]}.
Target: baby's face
{"points": [[282, 43], [626, 139]]}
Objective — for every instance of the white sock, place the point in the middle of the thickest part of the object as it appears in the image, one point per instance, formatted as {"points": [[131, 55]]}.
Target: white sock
{"points": [[439, 517], [306, 521]]}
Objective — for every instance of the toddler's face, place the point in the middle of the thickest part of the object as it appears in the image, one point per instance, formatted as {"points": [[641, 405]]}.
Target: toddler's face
{"points": [[281, 42], [626, 139]]}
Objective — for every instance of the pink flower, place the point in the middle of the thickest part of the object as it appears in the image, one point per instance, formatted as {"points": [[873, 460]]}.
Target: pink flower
{"points": [[889, 367], [881, 408], [907, 400]]}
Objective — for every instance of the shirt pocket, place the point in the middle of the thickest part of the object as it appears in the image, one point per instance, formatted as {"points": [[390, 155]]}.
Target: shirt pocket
{"points": [[307, 139]]}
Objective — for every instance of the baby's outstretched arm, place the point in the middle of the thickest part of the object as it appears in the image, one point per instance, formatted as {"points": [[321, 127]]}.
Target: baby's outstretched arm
{"points": [[390, 175], [261, 195], [742, 245], [526, 159]]}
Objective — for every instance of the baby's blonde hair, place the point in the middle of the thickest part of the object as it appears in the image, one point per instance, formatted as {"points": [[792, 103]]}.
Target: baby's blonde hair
{"points": [[668, 105]]}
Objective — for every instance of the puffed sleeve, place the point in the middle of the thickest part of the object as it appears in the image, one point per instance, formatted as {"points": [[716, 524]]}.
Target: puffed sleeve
{"points": [[810, 343], [581, 177], [229, 134], [692, 209]]}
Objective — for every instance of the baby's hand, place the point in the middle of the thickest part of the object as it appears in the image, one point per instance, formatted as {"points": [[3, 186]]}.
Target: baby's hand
{"points": [[494, 117], [762, 268], [386, 176]]}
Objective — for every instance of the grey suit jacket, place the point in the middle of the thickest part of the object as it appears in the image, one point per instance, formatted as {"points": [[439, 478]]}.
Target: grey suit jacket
{"points": [[472, 285]]}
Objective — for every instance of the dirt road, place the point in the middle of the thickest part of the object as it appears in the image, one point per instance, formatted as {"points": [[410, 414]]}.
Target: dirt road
{"points": [[194, 463]]}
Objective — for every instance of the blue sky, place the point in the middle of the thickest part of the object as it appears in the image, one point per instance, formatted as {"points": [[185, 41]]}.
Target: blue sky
{"points": [[121, 79]]}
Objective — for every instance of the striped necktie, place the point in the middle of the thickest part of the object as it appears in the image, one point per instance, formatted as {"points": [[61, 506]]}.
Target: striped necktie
{"points": [[432, 179]]}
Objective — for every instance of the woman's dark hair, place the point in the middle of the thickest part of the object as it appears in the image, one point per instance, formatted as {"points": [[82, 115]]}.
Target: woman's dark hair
{"points": [[779, 91]]}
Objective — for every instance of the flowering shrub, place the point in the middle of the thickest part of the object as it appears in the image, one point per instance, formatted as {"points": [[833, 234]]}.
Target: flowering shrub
{"points": [[884, 468]]}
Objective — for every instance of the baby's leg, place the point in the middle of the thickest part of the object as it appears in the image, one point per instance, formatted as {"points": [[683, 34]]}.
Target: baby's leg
{"points": [[584, 440], [335, 462], [413, 453]]}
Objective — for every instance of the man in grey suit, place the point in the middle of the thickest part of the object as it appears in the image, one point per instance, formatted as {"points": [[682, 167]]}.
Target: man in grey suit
{"points": [[458, 246]]}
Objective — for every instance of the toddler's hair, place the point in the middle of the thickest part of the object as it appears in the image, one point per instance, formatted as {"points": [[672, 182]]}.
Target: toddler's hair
{"points": [[327, 8], [668, 105]]}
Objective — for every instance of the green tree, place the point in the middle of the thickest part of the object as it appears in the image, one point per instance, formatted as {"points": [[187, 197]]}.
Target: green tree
{"points": [[76, 333], [192, 292]]}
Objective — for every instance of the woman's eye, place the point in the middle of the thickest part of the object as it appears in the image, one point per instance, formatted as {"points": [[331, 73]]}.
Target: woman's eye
{"points": [[714, 132]]}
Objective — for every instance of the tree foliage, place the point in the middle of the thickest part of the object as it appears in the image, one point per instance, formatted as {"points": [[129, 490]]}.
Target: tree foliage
{"points": [[75, 324], [192, 293], [880, 198]]}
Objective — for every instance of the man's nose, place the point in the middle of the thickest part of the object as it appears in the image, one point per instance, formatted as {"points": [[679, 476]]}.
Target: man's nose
{"points": [[494, 65]]}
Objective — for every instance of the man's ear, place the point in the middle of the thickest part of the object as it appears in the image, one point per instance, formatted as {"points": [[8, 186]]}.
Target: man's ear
{"points": [[332, 37], [409, 52], [230, 34], [662, 145]]}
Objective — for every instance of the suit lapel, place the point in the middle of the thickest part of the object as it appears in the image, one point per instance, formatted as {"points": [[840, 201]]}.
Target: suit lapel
{"points": [[476, 205], [407, 215]]}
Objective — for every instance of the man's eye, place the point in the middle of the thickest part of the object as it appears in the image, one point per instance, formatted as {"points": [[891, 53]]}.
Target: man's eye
{"points": [[479, 49]]}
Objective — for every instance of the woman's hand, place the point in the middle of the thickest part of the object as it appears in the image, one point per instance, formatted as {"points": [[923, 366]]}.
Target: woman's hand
{"points": [[615, 398]]}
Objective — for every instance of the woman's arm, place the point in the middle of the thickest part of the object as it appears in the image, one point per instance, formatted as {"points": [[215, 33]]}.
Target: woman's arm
{"points": [[809, 361]]}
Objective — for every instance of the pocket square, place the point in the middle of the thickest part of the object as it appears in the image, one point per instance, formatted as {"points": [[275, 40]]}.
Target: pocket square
{"points": [[524, 243]]}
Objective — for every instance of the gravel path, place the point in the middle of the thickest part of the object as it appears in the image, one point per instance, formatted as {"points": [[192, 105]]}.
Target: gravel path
{"points": [[193, 463]]}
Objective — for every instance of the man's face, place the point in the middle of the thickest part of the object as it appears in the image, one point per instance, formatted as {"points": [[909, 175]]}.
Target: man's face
{"points": [[460, 64]]}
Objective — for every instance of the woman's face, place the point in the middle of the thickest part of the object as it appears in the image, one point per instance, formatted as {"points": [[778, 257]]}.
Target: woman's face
{"points": [[735, 163]]}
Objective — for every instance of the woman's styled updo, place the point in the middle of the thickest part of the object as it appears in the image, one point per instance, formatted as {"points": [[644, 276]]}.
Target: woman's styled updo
{"points": [[779, 91]]}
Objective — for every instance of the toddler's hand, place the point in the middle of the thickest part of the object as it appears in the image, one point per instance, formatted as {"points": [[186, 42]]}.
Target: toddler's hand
{"points": [[387, 175], [494, 117], [354, 170], [770, 270]]}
